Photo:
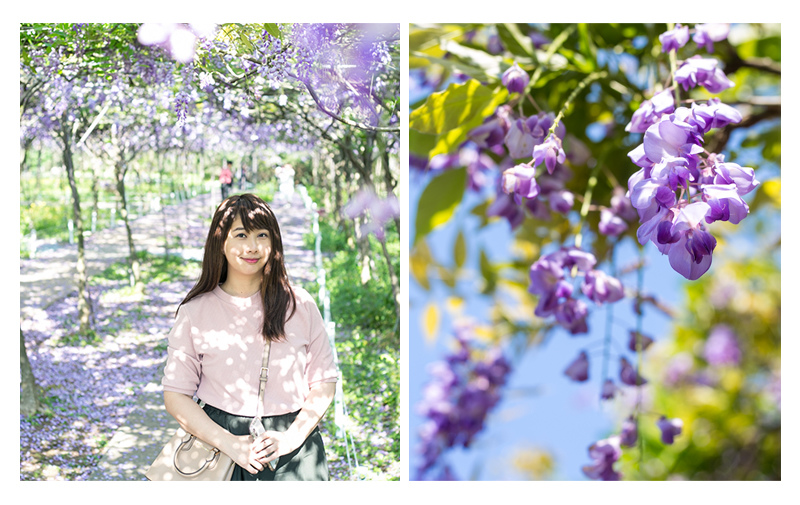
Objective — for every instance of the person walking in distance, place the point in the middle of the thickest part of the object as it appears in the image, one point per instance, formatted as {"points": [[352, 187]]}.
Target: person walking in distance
{"points": [[226, 179]]}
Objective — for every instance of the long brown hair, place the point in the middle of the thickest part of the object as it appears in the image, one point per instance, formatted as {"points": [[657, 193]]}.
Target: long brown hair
{"points": [[276, 292]]}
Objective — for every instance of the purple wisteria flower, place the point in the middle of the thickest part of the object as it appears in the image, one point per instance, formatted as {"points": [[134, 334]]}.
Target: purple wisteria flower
{"points": [[670, 428], [181, 107], [680, 189], [493, 130], [519, 182], [703, 72], [674, 39], [615, 220], [379, 211], [721, 347], [642, 338], [611, 224], [628, 375], [504, 206], [206, 81], [725, 203], [520, 139], [538, 39], [629, 434], [604, 454], [548, 279], [678, 369], [550, 152], [480, 166], [578, 370], [523, 134], [515, 79], [714, 114], [602, 288], [706, 34], [572, 314], [561, 201], [690, 245], [462, 390], [671, 146], [731, 173], [650, 111], [608, 390]]}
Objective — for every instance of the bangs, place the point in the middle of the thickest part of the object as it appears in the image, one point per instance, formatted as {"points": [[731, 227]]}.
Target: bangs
{"points": [[255, 217]]}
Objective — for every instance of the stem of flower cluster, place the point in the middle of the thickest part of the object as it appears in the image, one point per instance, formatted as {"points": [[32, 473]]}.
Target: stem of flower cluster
{"points": [[580, 87], [639, 323], [609, 322], [587, 199]]}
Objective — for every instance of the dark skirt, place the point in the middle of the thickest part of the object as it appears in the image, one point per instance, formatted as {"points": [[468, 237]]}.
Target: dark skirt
{"points": [[308, 462]]}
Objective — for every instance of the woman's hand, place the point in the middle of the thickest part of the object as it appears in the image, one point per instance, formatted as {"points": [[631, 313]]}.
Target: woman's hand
{"points": [[275, 444], [248, 453]]}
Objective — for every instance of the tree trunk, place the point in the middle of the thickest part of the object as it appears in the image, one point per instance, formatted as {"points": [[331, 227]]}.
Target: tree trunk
{"points": [[95, 196], [84, 302], [29, 391], [26, 147], [133, 260]]}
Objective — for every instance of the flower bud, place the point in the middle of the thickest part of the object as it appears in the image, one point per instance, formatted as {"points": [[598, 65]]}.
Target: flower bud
{"points": [[515, 79]]}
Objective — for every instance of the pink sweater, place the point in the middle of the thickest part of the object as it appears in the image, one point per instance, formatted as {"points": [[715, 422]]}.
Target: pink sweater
{"points": [[215, 351]]}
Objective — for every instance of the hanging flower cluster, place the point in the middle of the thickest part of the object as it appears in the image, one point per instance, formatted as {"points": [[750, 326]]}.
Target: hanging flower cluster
{"points": [[680, 188], [530, 159], [549, 279], [464, 388], [377, 211], [540, 189]]}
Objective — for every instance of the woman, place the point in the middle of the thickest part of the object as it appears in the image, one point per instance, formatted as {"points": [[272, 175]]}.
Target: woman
{"points": [[216, 347]]}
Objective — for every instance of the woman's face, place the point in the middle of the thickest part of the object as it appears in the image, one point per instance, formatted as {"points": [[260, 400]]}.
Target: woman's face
{"points": [[246, 252]]}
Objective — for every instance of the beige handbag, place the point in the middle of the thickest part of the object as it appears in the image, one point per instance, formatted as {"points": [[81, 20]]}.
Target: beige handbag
{"points": [[187, 458]]}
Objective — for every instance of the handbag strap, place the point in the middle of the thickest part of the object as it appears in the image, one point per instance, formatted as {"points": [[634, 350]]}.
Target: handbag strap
{"points": [[186, 444], [262, 381], [263, 377]]}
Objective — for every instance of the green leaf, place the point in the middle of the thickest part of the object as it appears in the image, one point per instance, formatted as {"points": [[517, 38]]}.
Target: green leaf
{"points": [[459, 104], [438, 201], [587, 45], [487, 64], [488, 273], [420, 143], [515, 41], [452, 65], [452, 113], [460, 250], [272, 29], [419, 260]]}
